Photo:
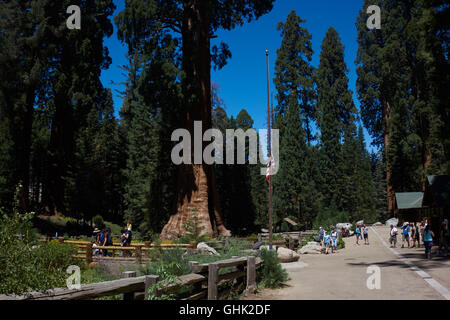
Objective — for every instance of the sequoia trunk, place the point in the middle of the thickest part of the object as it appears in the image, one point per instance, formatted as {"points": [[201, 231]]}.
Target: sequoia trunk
{"points": [[196, 182]]}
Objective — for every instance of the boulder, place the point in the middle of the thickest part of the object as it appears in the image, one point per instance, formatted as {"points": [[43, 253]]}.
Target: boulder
{"points": [[360, 223], [311, 248], [347, 226], [285, 255], [204, 248], [392, 221]]}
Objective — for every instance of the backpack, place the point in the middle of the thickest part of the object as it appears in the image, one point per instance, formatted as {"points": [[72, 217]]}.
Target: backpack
{"points": [[101, 238], [109, 241]]}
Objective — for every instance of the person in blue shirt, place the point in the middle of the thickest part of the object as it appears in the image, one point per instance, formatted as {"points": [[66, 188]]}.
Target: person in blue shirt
{"points": [[326, 241], [321, 232], [405, 234], [428, 236], [358, 234]]}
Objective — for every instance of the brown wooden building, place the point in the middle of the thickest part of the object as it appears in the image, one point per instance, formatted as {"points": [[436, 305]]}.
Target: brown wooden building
{"points": [[432, 205]]}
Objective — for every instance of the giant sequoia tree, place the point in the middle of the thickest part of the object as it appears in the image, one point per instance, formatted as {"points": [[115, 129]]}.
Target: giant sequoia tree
{"points": [[196, 22], [401, 81]]}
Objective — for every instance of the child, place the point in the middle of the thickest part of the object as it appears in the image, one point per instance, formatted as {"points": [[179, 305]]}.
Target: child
{"points": [[326, 241]]}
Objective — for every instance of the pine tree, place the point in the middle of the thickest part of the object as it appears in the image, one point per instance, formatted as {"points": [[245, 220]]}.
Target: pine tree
{"points": [[335, 117], [294, 190]]}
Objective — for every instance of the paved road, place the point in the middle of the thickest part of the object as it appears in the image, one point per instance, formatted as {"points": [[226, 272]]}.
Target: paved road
{"points": [[405, 274]]}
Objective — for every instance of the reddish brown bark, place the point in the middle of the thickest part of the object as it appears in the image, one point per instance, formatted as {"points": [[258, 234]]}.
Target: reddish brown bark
{"points": [[390, 189], [196, 183]]}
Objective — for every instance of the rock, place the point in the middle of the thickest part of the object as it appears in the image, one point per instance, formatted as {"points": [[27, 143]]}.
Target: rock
{"points": [[392, 221], [377, 224], [94, 265], [347, 226], [311, 248], [257, 245], [285, 255], [360, 223], [204, 248]]}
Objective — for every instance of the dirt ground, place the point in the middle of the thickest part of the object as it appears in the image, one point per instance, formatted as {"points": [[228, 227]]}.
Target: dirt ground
{"points": [[405, 274]]}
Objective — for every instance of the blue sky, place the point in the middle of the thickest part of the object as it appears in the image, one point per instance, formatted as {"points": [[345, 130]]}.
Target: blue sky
{"points": [[243, 79]]}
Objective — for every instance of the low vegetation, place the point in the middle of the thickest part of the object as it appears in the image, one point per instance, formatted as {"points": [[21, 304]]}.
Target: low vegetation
{"points": [[26, 264]]}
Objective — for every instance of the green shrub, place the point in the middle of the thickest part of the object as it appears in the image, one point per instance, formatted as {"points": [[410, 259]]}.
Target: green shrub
{"points": [[341, 244], [171, 263], [98, 221], [193, 229], [272, 274], [27, 265]]}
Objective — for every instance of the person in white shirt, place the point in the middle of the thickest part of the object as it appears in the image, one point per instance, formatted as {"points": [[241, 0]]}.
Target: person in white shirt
{"points": [[393, 238], [334, 240], [366, 234]]}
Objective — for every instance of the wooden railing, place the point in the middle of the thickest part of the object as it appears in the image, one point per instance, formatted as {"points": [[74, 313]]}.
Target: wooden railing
{"points": [[203, 282], [134, 252]]}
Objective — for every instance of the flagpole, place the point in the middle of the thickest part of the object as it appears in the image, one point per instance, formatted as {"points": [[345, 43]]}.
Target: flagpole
{"points": [[269, 143]]}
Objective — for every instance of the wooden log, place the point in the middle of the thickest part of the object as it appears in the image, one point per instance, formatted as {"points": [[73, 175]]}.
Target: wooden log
{"points": [[149, 281], [232, 262], [213, 272], [89, 253], [232, 275], [251, 274], [87, 291], [199, 268], [106, 258], [125, 275], [193, 265], [197, 296]]}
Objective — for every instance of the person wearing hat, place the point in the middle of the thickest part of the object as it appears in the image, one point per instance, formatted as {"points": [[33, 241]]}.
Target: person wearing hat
{"points": [[96, 241]]}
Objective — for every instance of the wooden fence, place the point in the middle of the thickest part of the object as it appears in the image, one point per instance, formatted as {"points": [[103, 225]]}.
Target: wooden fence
{"points": [[135, 252], [203, 282]]}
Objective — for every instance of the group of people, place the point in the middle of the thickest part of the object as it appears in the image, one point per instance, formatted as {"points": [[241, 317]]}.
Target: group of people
{"points": [[328, 240], [103, 238], [413, 233], [362, 231]]}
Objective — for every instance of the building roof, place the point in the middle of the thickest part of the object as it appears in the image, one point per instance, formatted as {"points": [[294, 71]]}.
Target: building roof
{"points": [[440, 186], [409, 200], [291, 222]]}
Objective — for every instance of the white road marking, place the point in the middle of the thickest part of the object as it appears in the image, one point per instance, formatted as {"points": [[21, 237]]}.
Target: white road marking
{"points": [[425, 276]]}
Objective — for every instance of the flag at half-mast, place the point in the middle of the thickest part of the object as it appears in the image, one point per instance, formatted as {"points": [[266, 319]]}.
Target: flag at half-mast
{"points": [[269, 171]]}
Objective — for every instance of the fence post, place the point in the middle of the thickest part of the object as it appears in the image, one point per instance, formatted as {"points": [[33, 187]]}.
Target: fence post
{"points": [[251, 274], [213, 275], [138, 253], [128, 274], [89, 253], [149, 281], [192, 265]]}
